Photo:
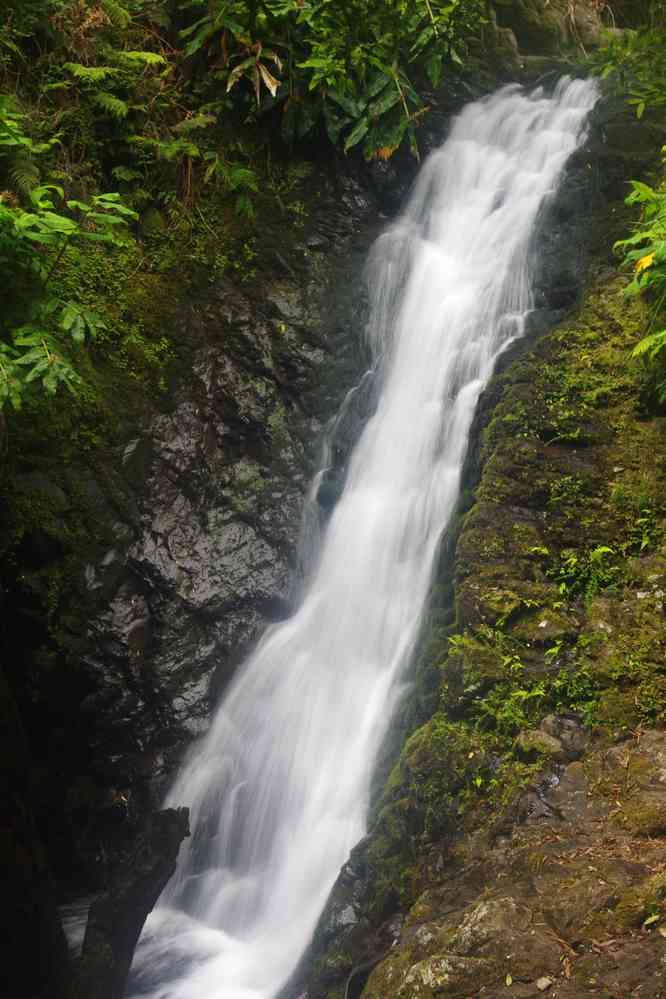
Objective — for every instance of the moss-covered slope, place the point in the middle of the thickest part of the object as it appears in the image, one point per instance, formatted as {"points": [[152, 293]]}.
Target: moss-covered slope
{"points": [[520, 836]]}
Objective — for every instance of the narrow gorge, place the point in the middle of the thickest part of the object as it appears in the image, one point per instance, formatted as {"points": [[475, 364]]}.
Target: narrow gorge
{"points": [[348, 642]]}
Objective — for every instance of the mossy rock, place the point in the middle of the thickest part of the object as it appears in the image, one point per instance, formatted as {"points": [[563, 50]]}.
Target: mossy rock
{"points": [[546, 626], [645, 816], [639, 902], [532, 744]]}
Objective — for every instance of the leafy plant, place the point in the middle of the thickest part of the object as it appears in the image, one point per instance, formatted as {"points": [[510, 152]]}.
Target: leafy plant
{"points": [[360, 69], [585, 573], [507, 708], [33, 241], [645, 252], [635, 65]]}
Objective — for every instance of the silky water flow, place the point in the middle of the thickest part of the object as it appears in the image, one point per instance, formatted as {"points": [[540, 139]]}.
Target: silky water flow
{"points": [[278, 788]]}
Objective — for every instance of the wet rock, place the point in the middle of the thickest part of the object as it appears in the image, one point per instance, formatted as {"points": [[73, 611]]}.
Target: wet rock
{"points": [[493, 938], [116, 918]]}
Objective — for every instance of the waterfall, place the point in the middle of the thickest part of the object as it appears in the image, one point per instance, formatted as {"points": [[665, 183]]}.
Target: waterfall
{"points": [[278, 788]]}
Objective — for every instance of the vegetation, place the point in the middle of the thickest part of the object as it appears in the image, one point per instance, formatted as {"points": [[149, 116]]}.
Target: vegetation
{"points": [[635, 63], [361, 69], [157, 101], [33, 241], [645, 251]]}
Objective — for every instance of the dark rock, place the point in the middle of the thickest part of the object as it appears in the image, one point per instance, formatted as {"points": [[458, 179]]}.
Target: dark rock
{"points": [[116, 918], [35, 961]]}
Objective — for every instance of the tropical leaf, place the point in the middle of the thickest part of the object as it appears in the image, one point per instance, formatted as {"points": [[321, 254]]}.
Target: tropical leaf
{"points": [[357, 134], [269, 80]]}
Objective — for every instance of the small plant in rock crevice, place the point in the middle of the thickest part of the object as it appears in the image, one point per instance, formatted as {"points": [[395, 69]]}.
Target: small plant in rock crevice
{"points": [[585, 573]]}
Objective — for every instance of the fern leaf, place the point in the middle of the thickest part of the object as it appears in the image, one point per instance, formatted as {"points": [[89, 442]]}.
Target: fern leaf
{"points": [[90, 74], [24, 173], [197, 121], [117, 108], [125, 173], [143, 58], [650, 345], [117, 14]]}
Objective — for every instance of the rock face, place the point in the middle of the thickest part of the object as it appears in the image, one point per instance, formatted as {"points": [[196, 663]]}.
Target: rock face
{"points": [[226, 471], [198, 521], [116, 918], [548, 26]]}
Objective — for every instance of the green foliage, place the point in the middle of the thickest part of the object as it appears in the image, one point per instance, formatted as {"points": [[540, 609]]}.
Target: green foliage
{"points": [[112, 104], [363, 70], [507, 707], [635, 65], [645, 251], [38, 348], [155, 99], [584, 574], [90, 74]]}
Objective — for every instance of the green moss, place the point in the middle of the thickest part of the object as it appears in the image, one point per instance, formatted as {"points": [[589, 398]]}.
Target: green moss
{"points": [[642, 901], [644, 818], [533, 744], [277, 424]]}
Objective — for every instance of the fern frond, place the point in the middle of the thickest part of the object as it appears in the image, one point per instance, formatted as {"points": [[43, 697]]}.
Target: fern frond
{"points": [[117, 108], [650, 345], [90, 74], [143, 58], [23, 173], [197, 121], [117, 14], [125, 173]]}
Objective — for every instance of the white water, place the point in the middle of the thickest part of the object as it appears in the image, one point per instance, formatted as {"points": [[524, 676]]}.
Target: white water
{"points": [[278, 788]]}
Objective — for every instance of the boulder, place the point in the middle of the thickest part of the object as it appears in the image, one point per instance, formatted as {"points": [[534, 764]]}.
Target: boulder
{"points": [[546, 26]]}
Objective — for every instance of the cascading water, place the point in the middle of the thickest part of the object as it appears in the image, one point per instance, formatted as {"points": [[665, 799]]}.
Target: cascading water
{"points": [[278, 789]]}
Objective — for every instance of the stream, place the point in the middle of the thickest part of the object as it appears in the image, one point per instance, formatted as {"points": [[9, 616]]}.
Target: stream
{"points": [[278, 789]]}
